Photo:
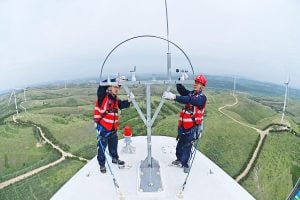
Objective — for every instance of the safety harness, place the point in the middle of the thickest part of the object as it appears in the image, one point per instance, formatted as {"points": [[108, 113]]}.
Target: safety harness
{"points": [[190, 115], [107, 114]]}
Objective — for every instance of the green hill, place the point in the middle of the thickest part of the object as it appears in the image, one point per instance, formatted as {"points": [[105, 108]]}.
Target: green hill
{"points": [[66, 117], [276, 169]]}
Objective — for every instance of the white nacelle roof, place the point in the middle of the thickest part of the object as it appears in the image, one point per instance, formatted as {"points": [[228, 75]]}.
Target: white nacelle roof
{"points": [[206, 179]]}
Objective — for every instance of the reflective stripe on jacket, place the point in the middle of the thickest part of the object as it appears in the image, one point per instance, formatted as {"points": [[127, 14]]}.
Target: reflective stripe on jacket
{"points": [[190, 115], [107, 114]]}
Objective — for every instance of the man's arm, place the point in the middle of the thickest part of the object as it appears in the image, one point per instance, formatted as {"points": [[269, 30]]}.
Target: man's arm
{"points": [[195, 101], [101, 92], [123, 104], [182, 90]]}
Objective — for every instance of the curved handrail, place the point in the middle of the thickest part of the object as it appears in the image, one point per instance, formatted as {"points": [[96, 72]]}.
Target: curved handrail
{"points": [[143, 36]]}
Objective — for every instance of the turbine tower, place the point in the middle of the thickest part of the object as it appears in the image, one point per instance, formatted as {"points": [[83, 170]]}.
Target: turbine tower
{"points": [[234, 83], [24, 89], [14, 93], [285, 98]]}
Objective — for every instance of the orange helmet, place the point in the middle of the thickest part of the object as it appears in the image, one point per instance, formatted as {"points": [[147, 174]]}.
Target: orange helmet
{"points": [[200, 79]]}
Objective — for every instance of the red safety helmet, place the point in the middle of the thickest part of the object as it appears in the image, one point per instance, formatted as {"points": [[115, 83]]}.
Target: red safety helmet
{"points": [[200, 79]]}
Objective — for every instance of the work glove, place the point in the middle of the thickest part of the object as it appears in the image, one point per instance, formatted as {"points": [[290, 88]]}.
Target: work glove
{"points": [[121, 79], [183, 76], [168, 95], [130, 96]]}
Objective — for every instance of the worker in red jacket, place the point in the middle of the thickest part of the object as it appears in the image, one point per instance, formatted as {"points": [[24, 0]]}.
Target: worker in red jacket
{"points": [[107, 121], [190, 118]]}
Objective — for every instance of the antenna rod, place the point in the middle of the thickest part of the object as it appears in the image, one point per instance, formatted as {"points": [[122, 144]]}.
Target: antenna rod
{"points": [[168, 54], [167, 25]]}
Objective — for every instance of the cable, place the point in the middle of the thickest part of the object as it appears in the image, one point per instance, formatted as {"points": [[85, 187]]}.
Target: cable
{"points": [[180, 193], [112, 174]]}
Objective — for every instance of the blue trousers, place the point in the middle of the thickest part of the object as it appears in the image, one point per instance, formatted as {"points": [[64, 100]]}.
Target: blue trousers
{"points": [[105, 140], [184, 145]]}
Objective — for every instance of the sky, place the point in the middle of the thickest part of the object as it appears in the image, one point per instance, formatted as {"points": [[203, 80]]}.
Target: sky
{"points": [[44, 41]]}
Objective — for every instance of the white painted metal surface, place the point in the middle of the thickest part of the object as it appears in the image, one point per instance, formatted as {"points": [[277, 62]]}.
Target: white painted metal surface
{"points": [[206, 181]]}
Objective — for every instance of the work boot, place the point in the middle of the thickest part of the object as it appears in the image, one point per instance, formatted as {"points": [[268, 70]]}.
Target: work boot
{"points": [[102, 169], [186, 169], [177, 163], [117, 161]]}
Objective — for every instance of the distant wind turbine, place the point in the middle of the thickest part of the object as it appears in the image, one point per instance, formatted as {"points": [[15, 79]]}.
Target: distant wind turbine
{"points": [[234, 83], [24, 89], [133, 78], [14, 93], [285, 98]]}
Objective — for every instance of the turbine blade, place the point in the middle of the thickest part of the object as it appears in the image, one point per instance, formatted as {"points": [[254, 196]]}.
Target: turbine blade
{"points": [[10, 97]]}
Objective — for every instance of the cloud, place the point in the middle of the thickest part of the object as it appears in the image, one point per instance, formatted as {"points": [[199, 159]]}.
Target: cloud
{"points": [[56, 39]]}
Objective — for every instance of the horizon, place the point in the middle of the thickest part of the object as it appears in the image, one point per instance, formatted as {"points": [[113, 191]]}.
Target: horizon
{"points": [[96, 79]]}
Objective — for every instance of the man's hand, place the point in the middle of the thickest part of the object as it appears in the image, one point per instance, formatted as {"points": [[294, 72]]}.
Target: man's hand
{"points": [[130, 97], [121, 79], [168, 95], [183, 76]]}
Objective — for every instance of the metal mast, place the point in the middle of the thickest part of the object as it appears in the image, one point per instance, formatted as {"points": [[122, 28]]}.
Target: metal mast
{"points": [[149, 171]]}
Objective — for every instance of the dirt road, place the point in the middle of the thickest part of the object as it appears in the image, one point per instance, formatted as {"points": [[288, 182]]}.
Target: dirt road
{"points": [[261, 133], [37, 170]]}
